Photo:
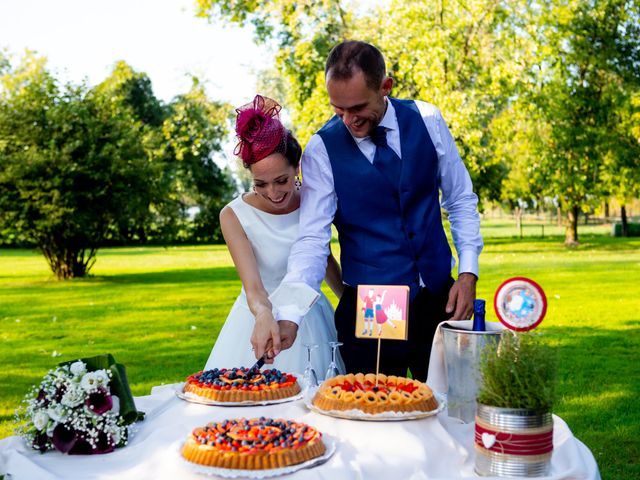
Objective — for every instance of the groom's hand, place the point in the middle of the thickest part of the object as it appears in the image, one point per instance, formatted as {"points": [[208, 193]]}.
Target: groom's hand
{"points": [[288, 333], [461, 297]]}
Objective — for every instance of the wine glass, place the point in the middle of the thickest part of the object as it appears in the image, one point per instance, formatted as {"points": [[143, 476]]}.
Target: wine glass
{"points": [[333, 371], [310, 377]]}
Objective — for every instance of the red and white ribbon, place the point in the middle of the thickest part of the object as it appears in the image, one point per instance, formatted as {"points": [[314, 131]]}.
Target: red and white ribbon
{"points": [[537, 443]]}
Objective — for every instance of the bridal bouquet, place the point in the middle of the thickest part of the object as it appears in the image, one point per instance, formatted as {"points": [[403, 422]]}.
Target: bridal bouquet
{"points": [[80, 407]]}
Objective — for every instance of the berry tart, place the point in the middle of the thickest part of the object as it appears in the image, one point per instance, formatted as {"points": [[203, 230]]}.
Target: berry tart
{"points": [[374, 394], [253, 444], [242, 385]]}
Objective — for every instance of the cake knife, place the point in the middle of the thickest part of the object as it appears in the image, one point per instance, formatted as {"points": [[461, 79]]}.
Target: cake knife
{"points": [[258, 365]]}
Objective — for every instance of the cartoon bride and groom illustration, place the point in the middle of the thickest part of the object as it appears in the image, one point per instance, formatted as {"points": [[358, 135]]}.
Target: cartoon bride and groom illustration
{"points": [[373, 310]]}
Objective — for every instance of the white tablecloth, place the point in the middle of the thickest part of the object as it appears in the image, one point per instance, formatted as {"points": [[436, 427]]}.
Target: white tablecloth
{"points": [[436, 447]]}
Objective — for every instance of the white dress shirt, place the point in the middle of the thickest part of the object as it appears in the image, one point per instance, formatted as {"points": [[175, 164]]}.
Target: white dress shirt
{"points": [[308, 257]]}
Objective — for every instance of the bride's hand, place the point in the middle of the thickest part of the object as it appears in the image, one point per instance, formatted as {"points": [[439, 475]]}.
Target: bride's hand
{"points": [[266, 336]]}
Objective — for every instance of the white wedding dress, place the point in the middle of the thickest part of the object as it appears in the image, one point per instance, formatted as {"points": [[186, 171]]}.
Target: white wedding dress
{"points": [[271, 237]]}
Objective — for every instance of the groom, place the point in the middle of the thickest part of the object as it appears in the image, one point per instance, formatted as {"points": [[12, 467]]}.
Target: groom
{"points": [[375, 171]]}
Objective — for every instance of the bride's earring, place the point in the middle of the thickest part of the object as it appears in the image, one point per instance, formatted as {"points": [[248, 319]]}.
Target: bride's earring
{"points": [[298, 183]]}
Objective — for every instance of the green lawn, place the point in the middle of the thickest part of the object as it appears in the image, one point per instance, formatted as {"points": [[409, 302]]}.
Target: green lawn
{"points": [[159, 311]]}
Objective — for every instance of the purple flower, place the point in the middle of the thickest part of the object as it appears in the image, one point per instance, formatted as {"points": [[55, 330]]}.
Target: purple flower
{"points": [[99, 401], [40, 442], [42, 398], [64, 438], [105, 443], [81, 447], [60, 391]]}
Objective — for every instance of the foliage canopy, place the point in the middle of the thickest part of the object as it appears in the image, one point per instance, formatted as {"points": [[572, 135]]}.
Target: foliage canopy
{"points": [[541, 97], [81, 168]]}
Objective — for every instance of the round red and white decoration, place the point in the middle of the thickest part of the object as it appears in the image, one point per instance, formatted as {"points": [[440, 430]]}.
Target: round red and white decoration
{"points": [[520, 304]]}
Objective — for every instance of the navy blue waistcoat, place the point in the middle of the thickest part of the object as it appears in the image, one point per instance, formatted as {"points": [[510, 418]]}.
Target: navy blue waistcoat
{"points": [[389, 235]]}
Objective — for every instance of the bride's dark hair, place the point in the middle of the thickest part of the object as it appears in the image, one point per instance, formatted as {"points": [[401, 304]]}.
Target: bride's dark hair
{"points": [[261, 133]]}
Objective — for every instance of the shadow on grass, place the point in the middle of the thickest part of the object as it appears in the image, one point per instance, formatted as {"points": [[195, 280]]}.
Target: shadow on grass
{"points": [[125, 250], [219, 275], [587, 243], [154, 249], [19, 252], [525, 245], [199, 275]]}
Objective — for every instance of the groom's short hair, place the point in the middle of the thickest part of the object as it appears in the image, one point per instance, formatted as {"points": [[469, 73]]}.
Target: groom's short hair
{"points": [[346, 58]]}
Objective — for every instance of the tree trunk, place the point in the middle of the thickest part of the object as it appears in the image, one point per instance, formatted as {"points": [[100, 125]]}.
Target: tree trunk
{"points": [[518, 214], [606, 211], [68, 263], [559, 216], [571, 232], [624, 223]]}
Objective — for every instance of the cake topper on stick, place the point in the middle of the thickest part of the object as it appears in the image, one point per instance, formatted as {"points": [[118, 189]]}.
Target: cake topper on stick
{"points": [[382, 311], [520, 304]]}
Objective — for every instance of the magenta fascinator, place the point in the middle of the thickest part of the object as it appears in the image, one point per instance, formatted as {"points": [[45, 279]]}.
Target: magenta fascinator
{"points": [[259, 130]]}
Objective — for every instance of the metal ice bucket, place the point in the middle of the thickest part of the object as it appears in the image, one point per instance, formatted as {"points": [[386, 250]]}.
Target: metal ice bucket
{"points": [[462, 350]]}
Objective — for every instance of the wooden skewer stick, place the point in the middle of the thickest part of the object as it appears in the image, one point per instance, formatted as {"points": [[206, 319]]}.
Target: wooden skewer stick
{"points": [[378, 361]]}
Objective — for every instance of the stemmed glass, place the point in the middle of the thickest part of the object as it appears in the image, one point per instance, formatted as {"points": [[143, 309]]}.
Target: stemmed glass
{"points": [[310, 377], [333, 371]]}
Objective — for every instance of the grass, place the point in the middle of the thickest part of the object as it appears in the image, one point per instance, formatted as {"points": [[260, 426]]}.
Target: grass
{"points": [[536, 228], [159, 310]]}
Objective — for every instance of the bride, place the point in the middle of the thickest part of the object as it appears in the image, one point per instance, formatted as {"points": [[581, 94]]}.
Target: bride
{"points": [[259, 229]]}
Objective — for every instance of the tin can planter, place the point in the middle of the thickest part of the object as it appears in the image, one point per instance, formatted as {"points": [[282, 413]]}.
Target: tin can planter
{"points": [[513, 442]]}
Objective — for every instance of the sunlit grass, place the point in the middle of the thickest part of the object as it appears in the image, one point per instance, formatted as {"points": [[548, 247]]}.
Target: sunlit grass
{"points": [[594, 319], [158, 311]]}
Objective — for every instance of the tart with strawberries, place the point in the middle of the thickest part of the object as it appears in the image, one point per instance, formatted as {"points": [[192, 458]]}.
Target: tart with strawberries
{"points": [[242, 385], [373, 394], [253, 444]]}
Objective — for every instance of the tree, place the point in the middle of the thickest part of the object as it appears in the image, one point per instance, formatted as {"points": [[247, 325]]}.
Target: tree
{"points": [[181, 138], [589, 63], [549, 67], [516, 135], [622, 158], [470, 59], [302, 34], [80, 168], [128, 96], [67, 171], [192, 134], [467, 58], [4, 63]]}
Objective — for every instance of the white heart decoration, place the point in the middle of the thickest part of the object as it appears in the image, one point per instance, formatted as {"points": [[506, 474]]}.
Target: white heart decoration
{"points": [[488, 440]]}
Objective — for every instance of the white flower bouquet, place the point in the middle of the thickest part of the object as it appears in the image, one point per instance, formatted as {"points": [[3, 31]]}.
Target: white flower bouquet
{"points": [[81, 407]]}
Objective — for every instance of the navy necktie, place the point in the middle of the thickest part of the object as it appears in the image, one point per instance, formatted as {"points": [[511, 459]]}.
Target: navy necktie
{"points": [[385, 159]]}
